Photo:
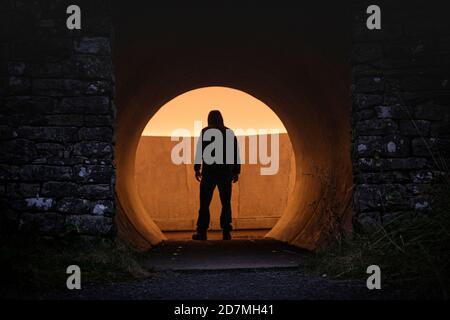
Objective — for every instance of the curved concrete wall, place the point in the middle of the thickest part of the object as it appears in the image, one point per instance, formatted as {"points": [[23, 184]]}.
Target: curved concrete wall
{"points": [[315, 113], [307, 84], [170, 193]]}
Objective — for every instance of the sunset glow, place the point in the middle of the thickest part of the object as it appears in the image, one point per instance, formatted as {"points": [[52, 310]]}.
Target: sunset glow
{"points": [[239, 110]]}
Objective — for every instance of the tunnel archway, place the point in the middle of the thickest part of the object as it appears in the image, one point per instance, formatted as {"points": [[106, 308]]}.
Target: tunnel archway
{"points": [[298, 66], [266, 182], [318, 126]]}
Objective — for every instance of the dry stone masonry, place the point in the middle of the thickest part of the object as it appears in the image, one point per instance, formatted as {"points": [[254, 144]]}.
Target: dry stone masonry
{"points": [[57, 116], [56, 121], [401, 111]]}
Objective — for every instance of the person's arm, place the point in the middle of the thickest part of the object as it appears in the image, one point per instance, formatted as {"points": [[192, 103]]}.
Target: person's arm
{"points": [[237, 161], [198, 158]]}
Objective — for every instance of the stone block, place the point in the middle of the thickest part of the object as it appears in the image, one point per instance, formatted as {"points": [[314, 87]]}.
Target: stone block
{"points": [[56, 189], [93, 149], [9, 172], [431, 111], [88, 67], [91, 120], [93, 45], [382, 177], [29, 106], [71, 120], [45, 69], [78, 206], [96, 191], [364, 101], [43, 223], [366, 52], [58, 87], [368, 222], [99, 174], [88, 224], [439, 128], [45, 173], [22, 190], [18, 151], [104, 134], [42, 49], [423, 176], [369, 85], [369, 164], [415, 127], [422, 83], [371, 197], [364, 114], [18, 85], [393, 112], [16, 68], [49, 134], [376, 127], [35, 203], [98, 105], [423, 147]]}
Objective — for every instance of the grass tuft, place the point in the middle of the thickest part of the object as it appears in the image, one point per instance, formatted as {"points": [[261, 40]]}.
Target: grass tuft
{"points": [[413, 251], [31, 266]]}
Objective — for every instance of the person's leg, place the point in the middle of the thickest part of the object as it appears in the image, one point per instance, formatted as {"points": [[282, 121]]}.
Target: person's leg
{"points": [[225, 186], [207, 186]]}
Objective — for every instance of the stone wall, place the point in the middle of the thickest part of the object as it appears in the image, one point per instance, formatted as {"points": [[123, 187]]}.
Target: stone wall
{"points": [[401, 110], [56, 119], [57, 115]]}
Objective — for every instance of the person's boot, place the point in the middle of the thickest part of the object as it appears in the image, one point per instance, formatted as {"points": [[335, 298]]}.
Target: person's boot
{"points": [[226, 235], [200, 235]]}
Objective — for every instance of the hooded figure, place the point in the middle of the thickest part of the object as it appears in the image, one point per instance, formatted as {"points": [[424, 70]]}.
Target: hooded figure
{"points": [[217, 163], [215, 119]]}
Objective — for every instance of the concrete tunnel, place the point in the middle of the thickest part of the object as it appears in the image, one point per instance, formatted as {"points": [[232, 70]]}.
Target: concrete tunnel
{"points": [[267, 176], [306, 86]]}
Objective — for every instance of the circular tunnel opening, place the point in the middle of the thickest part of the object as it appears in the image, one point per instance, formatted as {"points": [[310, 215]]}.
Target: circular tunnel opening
{"points": [[167, 187], [299, 67], [312, 105]]}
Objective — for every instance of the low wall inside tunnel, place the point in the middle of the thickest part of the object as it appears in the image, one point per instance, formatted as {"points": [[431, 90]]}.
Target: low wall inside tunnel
{"points": [[170, 193]]}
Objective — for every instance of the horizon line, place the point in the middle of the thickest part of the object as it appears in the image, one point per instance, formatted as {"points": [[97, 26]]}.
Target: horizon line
{"points": [[193, 136]]}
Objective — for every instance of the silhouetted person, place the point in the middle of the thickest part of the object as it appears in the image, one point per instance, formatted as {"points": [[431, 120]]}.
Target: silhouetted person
{"points": [[220, 173]]}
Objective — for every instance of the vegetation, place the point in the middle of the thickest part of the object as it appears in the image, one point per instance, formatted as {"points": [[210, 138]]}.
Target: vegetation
{"points": [[30, 267], [413, 251]]}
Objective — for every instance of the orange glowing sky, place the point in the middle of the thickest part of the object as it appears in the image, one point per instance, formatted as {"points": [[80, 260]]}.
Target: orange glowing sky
{"points": [[239, 110]]}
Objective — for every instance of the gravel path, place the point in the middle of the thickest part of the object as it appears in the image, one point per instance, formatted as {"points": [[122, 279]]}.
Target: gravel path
{"points": [[230, 284], [232, 270]]}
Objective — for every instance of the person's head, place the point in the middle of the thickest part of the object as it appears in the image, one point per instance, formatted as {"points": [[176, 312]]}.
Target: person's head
{"points": [[215, 119]]}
